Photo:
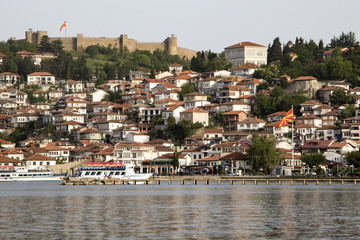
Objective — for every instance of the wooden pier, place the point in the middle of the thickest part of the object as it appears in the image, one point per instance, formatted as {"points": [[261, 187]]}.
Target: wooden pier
{"points": [[206, 180]]}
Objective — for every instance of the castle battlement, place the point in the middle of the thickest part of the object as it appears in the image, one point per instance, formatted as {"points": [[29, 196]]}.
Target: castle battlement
{"points": [[80, 43]]}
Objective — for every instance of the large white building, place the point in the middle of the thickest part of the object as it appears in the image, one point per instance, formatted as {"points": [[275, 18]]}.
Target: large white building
{"points": [[246, 52]]}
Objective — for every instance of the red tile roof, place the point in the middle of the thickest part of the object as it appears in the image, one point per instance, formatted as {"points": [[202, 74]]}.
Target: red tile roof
{"points": [[194, 109], [40, 74], [245, 44]]}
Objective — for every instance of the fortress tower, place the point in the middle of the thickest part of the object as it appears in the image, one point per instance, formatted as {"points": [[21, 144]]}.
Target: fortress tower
{"points": [[35, 37], [171, 45]]}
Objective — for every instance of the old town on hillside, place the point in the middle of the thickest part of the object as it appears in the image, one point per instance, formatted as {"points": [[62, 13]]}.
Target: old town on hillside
{"points": [[181, 116]]}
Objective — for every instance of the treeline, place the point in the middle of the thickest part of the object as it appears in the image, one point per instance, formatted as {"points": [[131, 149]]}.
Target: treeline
{"points": [[209, 61], [105, 62], [277, 101], [304, 58], [112, 63]]}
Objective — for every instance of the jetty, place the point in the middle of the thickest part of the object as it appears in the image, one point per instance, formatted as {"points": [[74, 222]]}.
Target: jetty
{"points": [[206, 180]]}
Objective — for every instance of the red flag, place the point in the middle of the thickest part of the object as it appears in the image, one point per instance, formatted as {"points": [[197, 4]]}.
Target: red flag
{"points": [[62, 26], [289, 117]]}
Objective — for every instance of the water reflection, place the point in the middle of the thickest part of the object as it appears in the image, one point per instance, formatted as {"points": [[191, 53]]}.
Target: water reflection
{"points": [[51, 211]]}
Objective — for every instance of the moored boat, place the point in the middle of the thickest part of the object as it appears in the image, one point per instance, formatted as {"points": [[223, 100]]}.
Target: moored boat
{"points": [[22, 174], [103, 170]]}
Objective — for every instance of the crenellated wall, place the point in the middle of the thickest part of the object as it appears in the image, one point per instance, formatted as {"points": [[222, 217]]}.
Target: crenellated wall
{"points": [[80, 43]]}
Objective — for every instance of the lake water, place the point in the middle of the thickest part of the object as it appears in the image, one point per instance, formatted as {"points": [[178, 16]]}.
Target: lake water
{"points": [[51, 211]]}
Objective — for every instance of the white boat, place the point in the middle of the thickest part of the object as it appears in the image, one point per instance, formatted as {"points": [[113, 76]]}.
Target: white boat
{"points": [[22, 174], [99, 171]]}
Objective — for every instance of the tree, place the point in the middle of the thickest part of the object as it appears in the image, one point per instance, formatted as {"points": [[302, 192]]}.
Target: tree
{"points": [[284, 83], [267, 72], [263, 153], [152, 73], [313, 159], [339, 97], [344, 40], [348, 112], [185, 89], [353, 158], [274, 52], [45, 44]]}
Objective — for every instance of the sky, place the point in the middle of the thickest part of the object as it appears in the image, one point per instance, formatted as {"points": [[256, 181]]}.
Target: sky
{"points": [[198, 25]]}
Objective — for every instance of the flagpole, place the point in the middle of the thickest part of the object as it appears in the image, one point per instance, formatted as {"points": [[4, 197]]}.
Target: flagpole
{"points": [[292, 137]]}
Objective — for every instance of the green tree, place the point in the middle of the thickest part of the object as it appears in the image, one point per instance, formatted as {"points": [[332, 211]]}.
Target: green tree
{"points": [[267, 72], [344, 40], [275, 52], [339, 97], [284, 83], [313, 159], [263, 153], [152, 73], [185, 89], [348, 112], [353, 158], [45, 44]]}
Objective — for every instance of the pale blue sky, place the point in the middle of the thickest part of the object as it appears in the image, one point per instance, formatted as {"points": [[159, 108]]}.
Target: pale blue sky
{"points": [[199, 25]]}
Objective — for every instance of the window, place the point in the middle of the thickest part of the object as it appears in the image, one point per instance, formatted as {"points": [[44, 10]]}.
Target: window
{"points": [[34, 163], [134, 155]]}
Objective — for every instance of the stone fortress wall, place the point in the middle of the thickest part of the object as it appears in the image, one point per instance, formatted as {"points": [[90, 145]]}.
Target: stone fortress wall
{"points": [[80, 43]]}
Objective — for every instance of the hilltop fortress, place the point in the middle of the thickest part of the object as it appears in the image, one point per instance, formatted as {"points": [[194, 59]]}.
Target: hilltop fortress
{"points": [[80, 43]]}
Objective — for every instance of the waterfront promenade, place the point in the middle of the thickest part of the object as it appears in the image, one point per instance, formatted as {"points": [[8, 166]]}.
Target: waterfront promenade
{"points": [[206, 180]]}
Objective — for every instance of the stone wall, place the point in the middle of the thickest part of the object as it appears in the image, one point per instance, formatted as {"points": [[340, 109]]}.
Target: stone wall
{"points": [[308, 88], [80, 43]]}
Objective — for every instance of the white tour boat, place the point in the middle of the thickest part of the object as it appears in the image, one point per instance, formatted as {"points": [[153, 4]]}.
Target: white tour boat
{"points": [[22, 174], [103, 170]]}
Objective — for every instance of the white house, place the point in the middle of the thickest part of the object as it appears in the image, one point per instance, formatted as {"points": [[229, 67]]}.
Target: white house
{"points": [[246, 52], [40, 78], [97, 96], [137, 137], [173, 111]]}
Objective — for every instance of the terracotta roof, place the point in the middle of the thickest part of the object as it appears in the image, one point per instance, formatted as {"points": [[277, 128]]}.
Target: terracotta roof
{"points": [[252, 120], [25, 53], [175, 65], [237, 88], [233, 113], [40, 74], [315, 144], [2, 55], [183, 76], [277, 114], [213, 130], [245, 44], [235, 156], [327, 127], [247, 81], [4, 159], [246, 66], [311, 102], [195, 94], [39, 157], [304, 78], [338, 145], [194, 109], [3, 142], [209, 159], [166, 100], [69, 123]]}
